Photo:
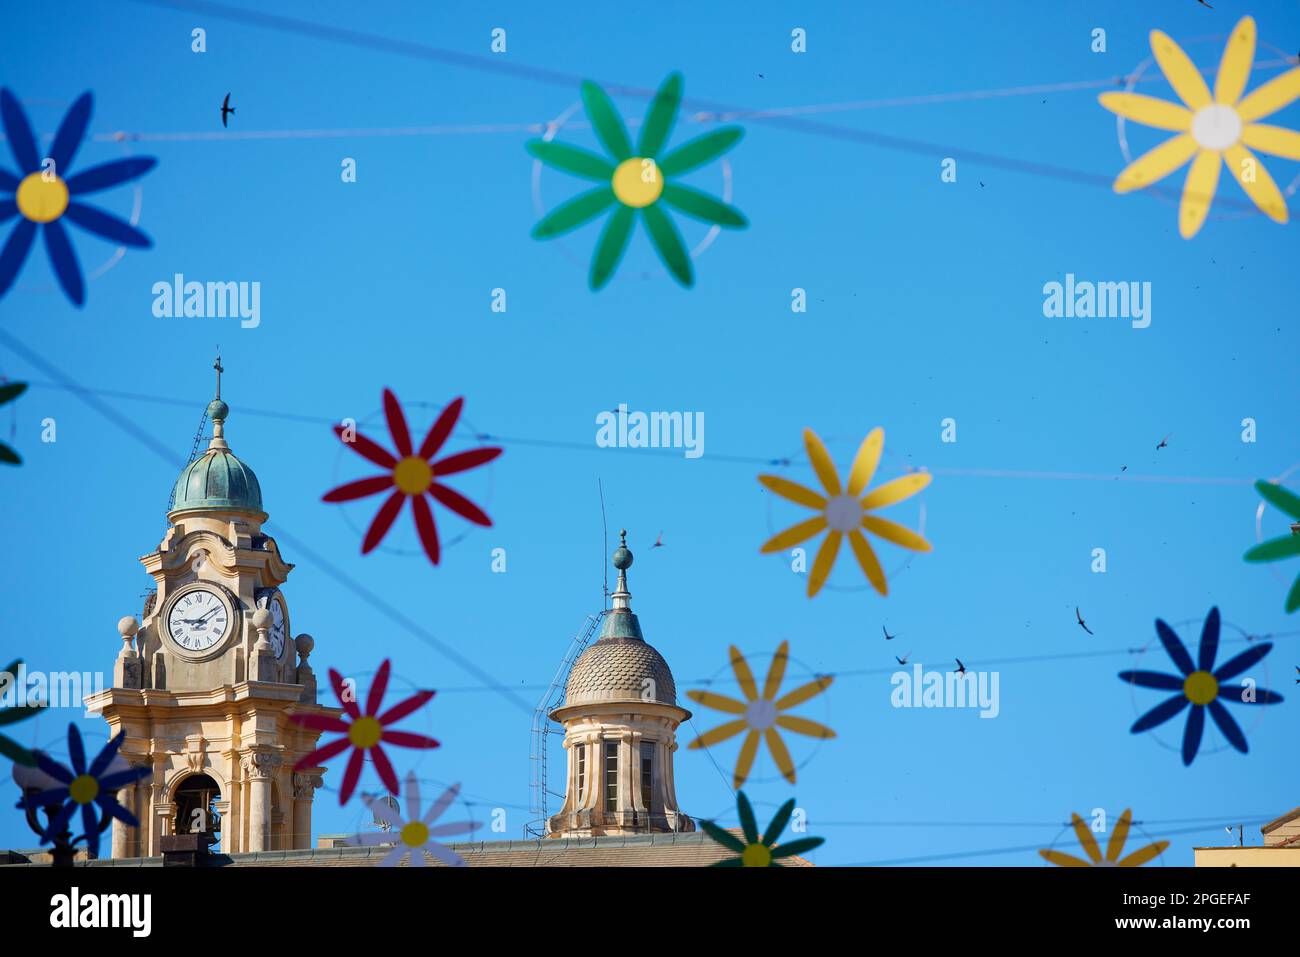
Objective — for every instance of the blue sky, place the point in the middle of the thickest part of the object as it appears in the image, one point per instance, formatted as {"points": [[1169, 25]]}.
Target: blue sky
{"points": [[925, 302]]}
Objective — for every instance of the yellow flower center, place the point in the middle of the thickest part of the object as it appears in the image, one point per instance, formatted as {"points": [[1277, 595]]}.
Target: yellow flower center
{"points": [[637, 182], [365, 732], [83, 789], [42, 200], [415, 834], [757, 855], [1201, 687], [413, 475], [1216, 127]]}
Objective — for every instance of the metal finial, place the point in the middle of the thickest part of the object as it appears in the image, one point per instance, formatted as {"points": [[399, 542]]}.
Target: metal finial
{"points": [[220, 369]]}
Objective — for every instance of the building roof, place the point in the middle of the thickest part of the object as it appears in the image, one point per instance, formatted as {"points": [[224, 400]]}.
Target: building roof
{"points": [[651, 850], [217, 480]]}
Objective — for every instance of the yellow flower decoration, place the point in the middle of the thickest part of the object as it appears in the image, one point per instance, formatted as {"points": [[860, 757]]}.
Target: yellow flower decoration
{"points": [[844, 512], [1211, 128], [1113, 849], [761, 715]]}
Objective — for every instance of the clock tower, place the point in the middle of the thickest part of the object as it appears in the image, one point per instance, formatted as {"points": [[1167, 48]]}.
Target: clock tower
{"points": [[205, 682]]}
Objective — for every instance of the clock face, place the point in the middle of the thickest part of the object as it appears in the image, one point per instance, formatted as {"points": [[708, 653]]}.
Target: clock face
{"points": [[198, 620], [278, 631]]}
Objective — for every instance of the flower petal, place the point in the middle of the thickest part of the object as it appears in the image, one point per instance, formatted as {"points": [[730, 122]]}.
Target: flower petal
{"points": [[793, 491], [1086, 840], [659, 119], [780, 754], [723, 837], [22, 143], [722, 732], [464, 461], [320, 722], [573, 213], [107, 175], [71, 132], [791, 848], [776, 671], [8, 208], [383, 521], [667, 242], [893, 532], [105, 757], [1261, 695], [605, 121], [406, 706], [865, 461], [359, 489], [1138, 858], [1235, 666], [903, 487], [64, 261], [748, 825], [397, 426], [1174, 648], [571, 159], [1255, 179], [702, 149], [1274, 548], [793, 535], [1279, 497], [366, 448], [1156, 164], [1064, 860], [611, 246], [1277, 140], [1192, 733], [778, 823], [1149, 111], [408, 739], [813, 729], [344, 694], [745, 759], [803, 693], [378, 685], [441, 429], [744, 677], [700, 205], [351, 774], [1152, 679], [1234, 68], [425, 527], [15, 253], [1270, 97], [868, 561], [824, 561], [459, 504], [1161, 713], [717, 702], [76, 750], [322, 754], [1118, 835], [1209, 647], [821, 462], [438, 807], [385, 769], [1180, 71], [1228, 725]]}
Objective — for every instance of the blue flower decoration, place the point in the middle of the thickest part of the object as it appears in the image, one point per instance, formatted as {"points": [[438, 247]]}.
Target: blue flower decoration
{"points": [[1201, 685], [43, 195], [84, 787]]}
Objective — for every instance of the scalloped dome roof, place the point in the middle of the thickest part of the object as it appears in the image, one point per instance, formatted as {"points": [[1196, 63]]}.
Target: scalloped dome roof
{"points": [[217, 480], [618, 669]]}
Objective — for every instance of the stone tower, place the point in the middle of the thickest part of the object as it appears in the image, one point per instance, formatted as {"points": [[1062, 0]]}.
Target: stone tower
{"points": [[620, 719]]}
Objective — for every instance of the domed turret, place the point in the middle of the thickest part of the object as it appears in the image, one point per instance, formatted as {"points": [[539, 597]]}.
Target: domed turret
{"points": [[217, 480]]}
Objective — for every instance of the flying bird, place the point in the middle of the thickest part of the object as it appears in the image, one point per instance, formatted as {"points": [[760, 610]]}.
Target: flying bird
{"points": [[1205, 5], [888, 636], [961, 669], [1164, 442], [903, 660], [1082, 623], [659, 542], [226, 109], [1297, 671]]}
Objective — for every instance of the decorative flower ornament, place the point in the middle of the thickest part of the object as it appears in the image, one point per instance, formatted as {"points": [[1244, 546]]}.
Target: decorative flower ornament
{"points": [[762, 714], [85, 788], [1288, 546], [45, 195], [846, 511], [1202, 686], [637, 182], [8, 747], [8, 392], [1213, 129], [366, 733], [1114, 848], [754, 851], [415, 831]]}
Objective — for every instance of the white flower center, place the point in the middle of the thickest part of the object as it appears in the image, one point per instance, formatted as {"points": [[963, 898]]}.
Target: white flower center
{"points": [[1216, 127], [761, 714], [843, 513]]}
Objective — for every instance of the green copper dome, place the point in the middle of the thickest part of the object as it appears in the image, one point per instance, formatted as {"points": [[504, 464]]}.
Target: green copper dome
{"points": [[216, 479]]}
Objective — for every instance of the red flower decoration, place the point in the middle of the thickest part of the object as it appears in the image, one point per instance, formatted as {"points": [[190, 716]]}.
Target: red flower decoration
{"points": [[412, 474], [365, 732]]}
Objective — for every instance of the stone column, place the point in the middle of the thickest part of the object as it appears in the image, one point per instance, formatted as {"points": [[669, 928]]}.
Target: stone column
{"points": [[304, 787], [259, 767], [121, 830]]}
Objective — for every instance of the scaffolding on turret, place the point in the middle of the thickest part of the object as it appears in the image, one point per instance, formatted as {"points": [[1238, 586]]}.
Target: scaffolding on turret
{"points": [[543, 728]]}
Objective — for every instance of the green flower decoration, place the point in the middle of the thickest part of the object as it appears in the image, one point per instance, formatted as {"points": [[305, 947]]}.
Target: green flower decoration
{"points": [[9, 748], [1287, 545], [637, 181], [7, 394], [752, 851]]}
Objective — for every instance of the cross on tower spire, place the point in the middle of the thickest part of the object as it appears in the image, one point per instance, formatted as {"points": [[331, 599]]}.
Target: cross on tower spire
{"points": [[220, 369]]}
